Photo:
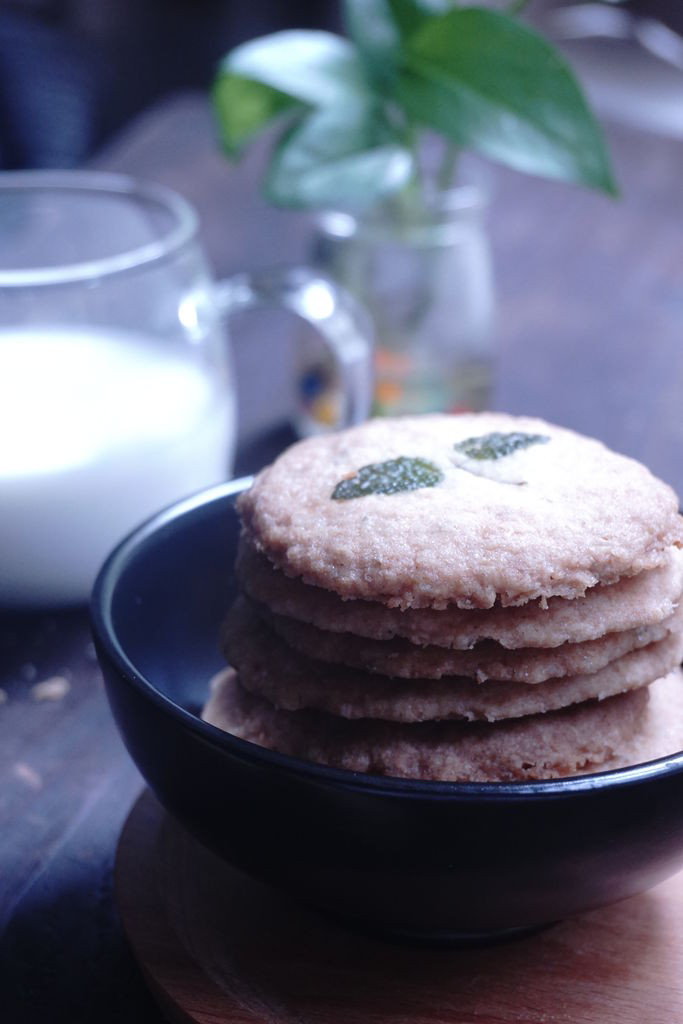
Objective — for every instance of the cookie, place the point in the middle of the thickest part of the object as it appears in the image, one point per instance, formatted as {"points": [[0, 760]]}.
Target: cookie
{"points": [[488, 660], [558, 744], [424, 512], [292, 682], [633, 601], [660, 733]]}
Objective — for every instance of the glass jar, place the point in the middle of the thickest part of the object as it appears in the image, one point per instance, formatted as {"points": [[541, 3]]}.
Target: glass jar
{"points": [[425, 276]]}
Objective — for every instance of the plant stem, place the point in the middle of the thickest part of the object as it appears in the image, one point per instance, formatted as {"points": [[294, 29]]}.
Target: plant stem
{"points": [[446, 172], [409, 197]]}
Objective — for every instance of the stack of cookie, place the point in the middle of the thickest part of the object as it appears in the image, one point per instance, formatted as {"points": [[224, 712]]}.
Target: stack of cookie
{"points": [[460, 598]]}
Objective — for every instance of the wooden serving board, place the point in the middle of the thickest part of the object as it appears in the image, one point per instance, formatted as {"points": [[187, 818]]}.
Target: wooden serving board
{"points": [[218, 947]]}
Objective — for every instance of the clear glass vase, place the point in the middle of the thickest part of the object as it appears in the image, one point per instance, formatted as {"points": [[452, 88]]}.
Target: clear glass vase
{"points": [[425, 276]]}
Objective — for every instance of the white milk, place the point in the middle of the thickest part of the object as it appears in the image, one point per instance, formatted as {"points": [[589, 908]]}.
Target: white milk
{"points": [[97, 431]]}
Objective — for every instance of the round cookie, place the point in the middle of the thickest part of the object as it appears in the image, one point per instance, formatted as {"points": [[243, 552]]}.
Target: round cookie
{"points": [[550, 746], [402, 660], [550, 515], [292, 682], [631, 602], [661, 731]]}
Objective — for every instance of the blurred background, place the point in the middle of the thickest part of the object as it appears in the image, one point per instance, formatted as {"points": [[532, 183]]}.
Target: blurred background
{"points": [[73, 72]]}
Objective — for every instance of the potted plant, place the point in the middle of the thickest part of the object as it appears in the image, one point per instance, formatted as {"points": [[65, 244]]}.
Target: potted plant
{"points": [[371, 132]]}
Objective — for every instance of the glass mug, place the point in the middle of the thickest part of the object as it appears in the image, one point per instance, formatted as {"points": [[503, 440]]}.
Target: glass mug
{"points": [[116, 388]]}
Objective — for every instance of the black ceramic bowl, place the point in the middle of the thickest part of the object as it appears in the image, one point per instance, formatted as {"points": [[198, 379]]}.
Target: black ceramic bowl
{"points": [[428, 860]]}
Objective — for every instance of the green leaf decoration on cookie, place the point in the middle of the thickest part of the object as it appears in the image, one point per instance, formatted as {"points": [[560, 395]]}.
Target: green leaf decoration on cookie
{"points": [[390, 477], [497, 445]]}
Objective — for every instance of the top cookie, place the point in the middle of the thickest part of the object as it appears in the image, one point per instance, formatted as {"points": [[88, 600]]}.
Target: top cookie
{"points": [[427, 511]]}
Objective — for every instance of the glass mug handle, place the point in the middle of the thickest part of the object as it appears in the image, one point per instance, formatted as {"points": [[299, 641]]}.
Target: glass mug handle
{"points": [[342, 324]]}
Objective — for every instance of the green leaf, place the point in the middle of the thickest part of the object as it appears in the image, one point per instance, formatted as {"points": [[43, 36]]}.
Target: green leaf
{"points": [[261, 79], [409, 15], [318, 68], [243, 108], [496, 445], [390, 477], [371, 27], [489, 83], [343, 156], [378, 28]]}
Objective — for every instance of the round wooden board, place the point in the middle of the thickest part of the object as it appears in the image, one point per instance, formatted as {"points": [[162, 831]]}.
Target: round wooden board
{"points": [[216, 946]]}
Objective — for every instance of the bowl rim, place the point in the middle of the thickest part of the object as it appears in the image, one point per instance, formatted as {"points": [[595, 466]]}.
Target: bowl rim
{"points": [[107, 641]]}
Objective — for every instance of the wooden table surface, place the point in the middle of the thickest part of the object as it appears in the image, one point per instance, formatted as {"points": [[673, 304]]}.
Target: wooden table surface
{"points": [[590, 335]]}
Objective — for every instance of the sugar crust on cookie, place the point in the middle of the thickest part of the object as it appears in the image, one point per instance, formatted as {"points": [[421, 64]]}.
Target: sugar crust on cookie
{"points": [[293, 682], [631, 602], [549, 746], [488, 660], [555, 520]]}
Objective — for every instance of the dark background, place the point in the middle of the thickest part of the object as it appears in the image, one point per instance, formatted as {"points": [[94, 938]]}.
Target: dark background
{"points": [[72, 72]]}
